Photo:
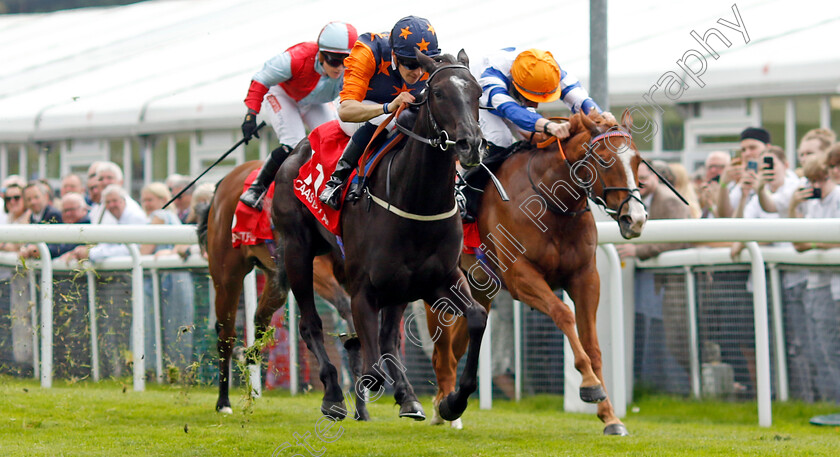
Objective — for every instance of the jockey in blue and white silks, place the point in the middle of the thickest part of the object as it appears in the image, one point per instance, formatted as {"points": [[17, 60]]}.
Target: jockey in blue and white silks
{"points": [[514, 82]]}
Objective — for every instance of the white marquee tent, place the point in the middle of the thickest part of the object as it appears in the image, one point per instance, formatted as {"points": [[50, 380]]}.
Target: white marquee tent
{"points": [[165, 66]]}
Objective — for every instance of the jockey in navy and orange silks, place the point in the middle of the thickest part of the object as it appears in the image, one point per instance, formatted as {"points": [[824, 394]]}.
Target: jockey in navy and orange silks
{"points": [[382, 73], [296, 88]]}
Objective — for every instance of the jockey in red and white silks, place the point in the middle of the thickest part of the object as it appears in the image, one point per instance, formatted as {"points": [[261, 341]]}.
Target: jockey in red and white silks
{"points": [[296, 90]]}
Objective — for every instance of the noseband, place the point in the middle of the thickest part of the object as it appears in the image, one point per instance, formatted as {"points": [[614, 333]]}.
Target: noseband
{"points": [[442, 140]]}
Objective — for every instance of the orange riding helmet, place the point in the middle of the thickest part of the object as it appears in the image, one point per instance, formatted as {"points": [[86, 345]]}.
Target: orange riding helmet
{"points": [[536, 76]]}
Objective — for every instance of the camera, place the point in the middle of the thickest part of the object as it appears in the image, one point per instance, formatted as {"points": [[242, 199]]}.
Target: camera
{"points": [[752, 165], [816, 193], [768, 162]]}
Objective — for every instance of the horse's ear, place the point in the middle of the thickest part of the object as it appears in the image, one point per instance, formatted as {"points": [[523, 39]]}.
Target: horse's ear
{"points": [[627, 120], [462, 57], [589, 124], [426, 62]]}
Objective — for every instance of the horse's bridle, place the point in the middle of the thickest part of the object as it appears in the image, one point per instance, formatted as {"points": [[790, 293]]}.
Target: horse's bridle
{"points": [[632, 194], [442, 141]]}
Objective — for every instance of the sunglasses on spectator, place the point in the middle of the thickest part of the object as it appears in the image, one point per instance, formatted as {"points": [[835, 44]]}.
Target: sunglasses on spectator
{"points": [[9, 198], [409, 64], [334, 60]]}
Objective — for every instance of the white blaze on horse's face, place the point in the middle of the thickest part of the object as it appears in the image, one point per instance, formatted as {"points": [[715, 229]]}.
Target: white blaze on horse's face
{"points": [[638, 214], [459, 82]]}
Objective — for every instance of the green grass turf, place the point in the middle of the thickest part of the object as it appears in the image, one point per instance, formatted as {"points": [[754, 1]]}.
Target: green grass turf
{"points": [[110, 419]]}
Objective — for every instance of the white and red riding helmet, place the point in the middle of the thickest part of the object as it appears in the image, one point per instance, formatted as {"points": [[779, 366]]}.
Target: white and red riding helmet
{"points": [[337, 37]]}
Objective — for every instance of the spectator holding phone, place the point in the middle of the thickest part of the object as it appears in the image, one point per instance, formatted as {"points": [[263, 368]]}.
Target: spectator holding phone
{"points": [[815, 143], [822, 293], [754, 142], [773, 181]]}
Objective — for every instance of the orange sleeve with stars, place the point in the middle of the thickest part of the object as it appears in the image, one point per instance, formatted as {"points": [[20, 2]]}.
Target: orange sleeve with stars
{"points": [[360, 68]]}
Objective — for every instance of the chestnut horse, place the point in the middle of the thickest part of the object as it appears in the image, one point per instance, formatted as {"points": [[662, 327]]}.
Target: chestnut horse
{"points": [[402, 240], [229, 265], [535, 251]]}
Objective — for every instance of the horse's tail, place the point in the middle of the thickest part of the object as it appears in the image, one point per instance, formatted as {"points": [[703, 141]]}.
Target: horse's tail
{"points": [[202, 210]]}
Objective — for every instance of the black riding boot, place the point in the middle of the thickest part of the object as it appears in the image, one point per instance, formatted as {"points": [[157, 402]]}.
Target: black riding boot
{"points": [[331, 196], [473, 191], [254, 194]]}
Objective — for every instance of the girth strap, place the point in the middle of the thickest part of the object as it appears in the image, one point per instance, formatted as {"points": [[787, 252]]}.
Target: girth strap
{"points": [[412, 216]]}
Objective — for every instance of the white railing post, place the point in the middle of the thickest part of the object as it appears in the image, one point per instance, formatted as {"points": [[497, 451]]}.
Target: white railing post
{"points": [[94, 331], [138, 316], [616, 373], [762, 342], [46, 316], [156, 324], [293, 349], [485, 367], [693, 340], [517, 348], [33, 299], [779, 332], [250, 328]]}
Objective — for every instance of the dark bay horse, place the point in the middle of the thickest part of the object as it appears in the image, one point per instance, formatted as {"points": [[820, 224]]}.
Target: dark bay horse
{"points": [[229, 265], [545, 238], [402, 241]]}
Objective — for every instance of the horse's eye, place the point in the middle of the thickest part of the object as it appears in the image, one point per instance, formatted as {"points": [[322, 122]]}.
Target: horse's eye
{"points": [[437, 93]]}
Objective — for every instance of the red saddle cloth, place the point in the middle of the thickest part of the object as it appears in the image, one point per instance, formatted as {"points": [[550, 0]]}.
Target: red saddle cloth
{"points": [[472, 240], [328, 142], [250, 226]]}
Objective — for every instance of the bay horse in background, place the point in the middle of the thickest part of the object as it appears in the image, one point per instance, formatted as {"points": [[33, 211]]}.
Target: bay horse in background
{"points": [[229, 266], [399, 250], [545, 238]]}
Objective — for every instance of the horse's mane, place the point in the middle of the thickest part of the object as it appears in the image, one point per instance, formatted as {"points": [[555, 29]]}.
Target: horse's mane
{"points": [[577, 125]]}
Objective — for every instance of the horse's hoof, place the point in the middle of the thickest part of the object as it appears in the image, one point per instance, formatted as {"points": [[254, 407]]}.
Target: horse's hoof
{"points": [[593, 394], [334, 409], [616, 429], [457, 424], [412, 409], [436, 419], [362, 415], [351, 343], [448, 411], [224, 410]]}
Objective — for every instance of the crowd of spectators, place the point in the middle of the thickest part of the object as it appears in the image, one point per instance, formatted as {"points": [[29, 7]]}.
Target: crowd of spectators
{"points": [[103, 199], [756, 181]]}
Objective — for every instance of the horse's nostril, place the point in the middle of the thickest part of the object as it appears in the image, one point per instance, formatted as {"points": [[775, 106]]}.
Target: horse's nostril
{"points": [[625, 219]]}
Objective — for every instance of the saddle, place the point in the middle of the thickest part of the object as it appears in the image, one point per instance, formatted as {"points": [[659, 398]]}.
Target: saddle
{"points": [[251, 226], [328, 142]]}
